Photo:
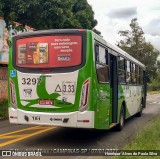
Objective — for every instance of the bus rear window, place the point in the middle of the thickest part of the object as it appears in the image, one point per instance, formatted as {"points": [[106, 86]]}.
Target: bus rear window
{"points": [[49, 51]]}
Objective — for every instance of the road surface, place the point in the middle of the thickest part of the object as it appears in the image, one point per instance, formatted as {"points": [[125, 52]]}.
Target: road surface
{"points": [[47, 137]]}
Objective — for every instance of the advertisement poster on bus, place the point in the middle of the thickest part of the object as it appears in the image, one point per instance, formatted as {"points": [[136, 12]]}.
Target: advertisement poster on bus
{"points": [[49, 51]]}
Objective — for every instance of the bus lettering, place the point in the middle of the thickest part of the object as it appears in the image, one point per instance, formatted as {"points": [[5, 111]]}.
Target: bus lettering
{"points": [[30, 81]]}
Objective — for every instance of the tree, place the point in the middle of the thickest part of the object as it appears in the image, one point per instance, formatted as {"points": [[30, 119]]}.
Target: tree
{"points": [[135, 44], [84, 14], [49, 14]]}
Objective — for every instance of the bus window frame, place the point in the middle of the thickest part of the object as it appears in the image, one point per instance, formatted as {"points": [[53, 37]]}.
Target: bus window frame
{"points": [[124, 70], [96, 43], [51, 33]]}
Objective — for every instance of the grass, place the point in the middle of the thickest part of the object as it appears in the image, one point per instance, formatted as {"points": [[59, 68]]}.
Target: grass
{"points": [[147, 139], [4, 108], [154, 92]]}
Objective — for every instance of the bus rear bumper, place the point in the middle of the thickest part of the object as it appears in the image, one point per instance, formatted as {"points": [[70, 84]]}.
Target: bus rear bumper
{"points": [[77, 119]]}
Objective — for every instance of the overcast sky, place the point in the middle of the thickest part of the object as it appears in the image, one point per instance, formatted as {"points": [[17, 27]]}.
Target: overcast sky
{"points": [[115, 15]]}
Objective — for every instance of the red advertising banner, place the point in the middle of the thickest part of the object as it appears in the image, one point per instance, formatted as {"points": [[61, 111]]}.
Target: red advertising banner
{"points": [[49, 51]]}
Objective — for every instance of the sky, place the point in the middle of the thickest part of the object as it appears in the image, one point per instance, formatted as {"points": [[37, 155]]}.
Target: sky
{"points": [[116, 15]]}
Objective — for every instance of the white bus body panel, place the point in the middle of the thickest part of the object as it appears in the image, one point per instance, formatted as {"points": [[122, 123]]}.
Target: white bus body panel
{"points": [[75, 119]]}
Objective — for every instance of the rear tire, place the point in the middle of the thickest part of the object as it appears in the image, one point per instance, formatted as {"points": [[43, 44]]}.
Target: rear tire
{"points": [[121, 119]]}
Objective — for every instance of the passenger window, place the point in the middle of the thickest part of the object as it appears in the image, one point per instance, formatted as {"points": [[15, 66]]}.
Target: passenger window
{"points": [[121, 63], [102, 67], [137, 75], [107, 58], [133, 74], [102, 73], [128, 66], [141, 75], [121, 70], [128, 72], [97, 53], [102, 55], [121, 76], [128, 78], [137, 70]]}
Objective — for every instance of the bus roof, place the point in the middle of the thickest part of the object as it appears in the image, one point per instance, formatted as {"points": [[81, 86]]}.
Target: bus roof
{"points": [[96, 36], [45, 32]]}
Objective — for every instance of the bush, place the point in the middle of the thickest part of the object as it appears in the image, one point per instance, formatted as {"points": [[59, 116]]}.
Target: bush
{"points": [[4, 108], [155, 84]]}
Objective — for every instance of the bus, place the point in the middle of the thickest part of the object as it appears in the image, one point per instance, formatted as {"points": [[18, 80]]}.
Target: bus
{"points": [[73, 78]]}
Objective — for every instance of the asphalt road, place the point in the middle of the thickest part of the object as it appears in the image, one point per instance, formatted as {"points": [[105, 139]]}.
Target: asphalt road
{"points": [[42, 137]]}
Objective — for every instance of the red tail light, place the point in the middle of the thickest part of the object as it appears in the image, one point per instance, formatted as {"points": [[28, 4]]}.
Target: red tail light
{"points": [[84, 94], [13, 93]]}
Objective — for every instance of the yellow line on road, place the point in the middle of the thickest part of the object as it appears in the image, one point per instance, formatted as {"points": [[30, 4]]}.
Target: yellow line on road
{"points": [[10, 136], [30, 128], [25, 136]]}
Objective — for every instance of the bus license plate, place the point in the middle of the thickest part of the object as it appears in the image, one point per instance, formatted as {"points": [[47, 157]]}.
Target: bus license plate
{"points": [[45, 102]]}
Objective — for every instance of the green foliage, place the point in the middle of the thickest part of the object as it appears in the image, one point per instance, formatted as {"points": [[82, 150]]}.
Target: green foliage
{"points": [[1, 7], [154, 85], [49, 14], [146, 139], [4, 108], [135, 44], [84, 14]]}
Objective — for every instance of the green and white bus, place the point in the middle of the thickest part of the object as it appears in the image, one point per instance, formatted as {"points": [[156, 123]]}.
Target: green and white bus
{"points": [[73, 78]]}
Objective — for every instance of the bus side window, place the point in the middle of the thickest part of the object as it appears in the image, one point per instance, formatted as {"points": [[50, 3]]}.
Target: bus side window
{"points": [[107, 58], [133, 74], [128, 72], [121, 70], [102, 73], [137, 75], [97, 53], [102, 68], [102, 55], [141, 75]]}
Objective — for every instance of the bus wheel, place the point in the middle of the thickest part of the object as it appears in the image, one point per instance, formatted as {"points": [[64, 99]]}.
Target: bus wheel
{"points": [[139, 114], [121, 119]]}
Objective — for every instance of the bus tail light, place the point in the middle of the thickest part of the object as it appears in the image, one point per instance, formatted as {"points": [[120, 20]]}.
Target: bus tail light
{"points": [[13, 94], [84, 94], [83, 121]]}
